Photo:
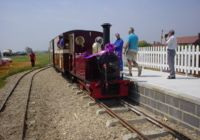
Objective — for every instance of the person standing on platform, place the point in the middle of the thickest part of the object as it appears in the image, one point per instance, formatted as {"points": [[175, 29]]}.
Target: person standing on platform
{"points": [[118, 49], [171, 43], [131, 50]]}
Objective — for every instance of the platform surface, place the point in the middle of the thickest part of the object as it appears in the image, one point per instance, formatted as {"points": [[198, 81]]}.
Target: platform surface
{"points": [[183, 86]]}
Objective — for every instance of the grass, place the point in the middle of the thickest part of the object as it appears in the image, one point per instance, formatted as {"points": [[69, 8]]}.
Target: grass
{"points": [[20, 64]]}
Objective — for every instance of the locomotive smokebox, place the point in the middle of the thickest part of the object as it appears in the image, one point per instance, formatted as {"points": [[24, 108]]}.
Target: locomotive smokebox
{"points": [[106, 33]]}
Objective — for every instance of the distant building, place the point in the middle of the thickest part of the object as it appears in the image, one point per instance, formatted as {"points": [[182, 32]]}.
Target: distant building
{"points": [[189, 40]]}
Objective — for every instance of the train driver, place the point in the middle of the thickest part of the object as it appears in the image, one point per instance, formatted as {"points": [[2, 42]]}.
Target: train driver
{"points": [[96, 47]]}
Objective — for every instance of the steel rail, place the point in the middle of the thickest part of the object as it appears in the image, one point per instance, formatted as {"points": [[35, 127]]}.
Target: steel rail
{"points": [[172, 131], [2, 106], [122, 121], [27, 101]]}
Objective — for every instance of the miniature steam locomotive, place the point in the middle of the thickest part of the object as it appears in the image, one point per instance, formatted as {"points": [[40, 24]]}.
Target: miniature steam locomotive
{"points": [[71, 54]]}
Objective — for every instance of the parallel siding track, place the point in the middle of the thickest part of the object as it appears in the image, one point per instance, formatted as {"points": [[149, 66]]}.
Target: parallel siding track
{"points": [[17, 126]]}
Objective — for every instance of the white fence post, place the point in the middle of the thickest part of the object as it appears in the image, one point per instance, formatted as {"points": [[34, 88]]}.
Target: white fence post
{"points": [[192, 59], [197, 59], [186, 60]]}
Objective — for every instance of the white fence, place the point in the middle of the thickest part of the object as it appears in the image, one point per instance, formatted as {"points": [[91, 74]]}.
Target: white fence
{"points": [[186, 61]]}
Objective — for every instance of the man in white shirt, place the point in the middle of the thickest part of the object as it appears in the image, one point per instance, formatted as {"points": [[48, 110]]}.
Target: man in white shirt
{"points": [[171, 52], [96, 47]]}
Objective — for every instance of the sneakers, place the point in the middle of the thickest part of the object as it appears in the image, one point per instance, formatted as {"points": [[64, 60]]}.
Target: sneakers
{"points": [[139, 71], [171, 77]]}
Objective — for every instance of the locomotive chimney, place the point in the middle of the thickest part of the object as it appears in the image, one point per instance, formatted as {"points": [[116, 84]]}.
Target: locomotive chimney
{"points": [[106, 33]]}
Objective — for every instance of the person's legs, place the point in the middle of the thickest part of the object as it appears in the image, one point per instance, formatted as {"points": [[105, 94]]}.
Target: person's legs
{"points": [[139, 70], [171, 55], [129, 60], [33, 63], [136, 64], [129, 67], [172, 73], [120, 63]]}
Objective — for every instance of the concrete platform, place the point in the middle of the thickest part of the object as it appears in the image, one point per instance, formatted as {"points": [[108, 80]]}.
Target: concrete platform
{"points": [[186, 86], [177, 99]]}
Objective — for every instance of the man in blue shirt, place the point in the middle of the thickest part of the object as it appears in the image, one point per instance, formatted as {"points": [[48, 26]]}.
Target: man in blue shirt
{"points": [[61, 43], [118, 49], [131, 49]]}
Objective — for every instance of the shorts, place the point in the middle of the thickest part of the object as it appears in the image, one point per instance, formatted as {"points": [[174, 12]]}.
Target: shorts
{"points": [[131, 55]]}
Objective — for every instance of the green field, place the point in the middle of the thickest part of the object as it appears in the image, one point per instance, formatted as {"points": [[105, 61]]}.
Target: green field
{"points": [[20, 64]]}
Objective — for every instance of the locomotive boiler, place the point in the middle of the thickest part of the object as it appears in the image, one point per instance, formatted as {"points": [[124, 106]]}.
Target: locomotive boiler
{"points": [[71, 54]]}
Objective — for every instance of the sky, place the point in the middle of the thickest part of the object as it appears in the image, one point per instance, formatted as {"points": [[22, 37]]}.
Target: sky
{"points": [[34, 23]]}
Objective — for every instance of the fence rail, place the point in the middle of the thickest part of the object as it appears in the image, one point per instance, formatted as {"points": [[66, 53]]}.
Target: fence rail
{"points": [[186, 60]]}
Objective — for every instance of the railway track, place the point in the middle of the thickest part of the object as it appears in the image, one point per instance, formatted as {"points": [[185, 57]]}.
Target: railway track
{"points": [[164, 128], [14, 107], [141, 125], [4, 101]]}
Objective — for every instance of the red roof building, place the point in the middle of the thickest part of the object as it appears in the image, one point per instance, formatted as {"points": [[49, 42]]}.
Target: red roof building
{"points": [[189, 40]]}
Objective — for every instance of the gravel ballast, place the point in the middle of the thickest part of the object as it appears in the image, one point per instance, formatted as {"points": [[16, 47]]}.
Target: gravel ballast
{"points": [[60, 114], [57, 112]]}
